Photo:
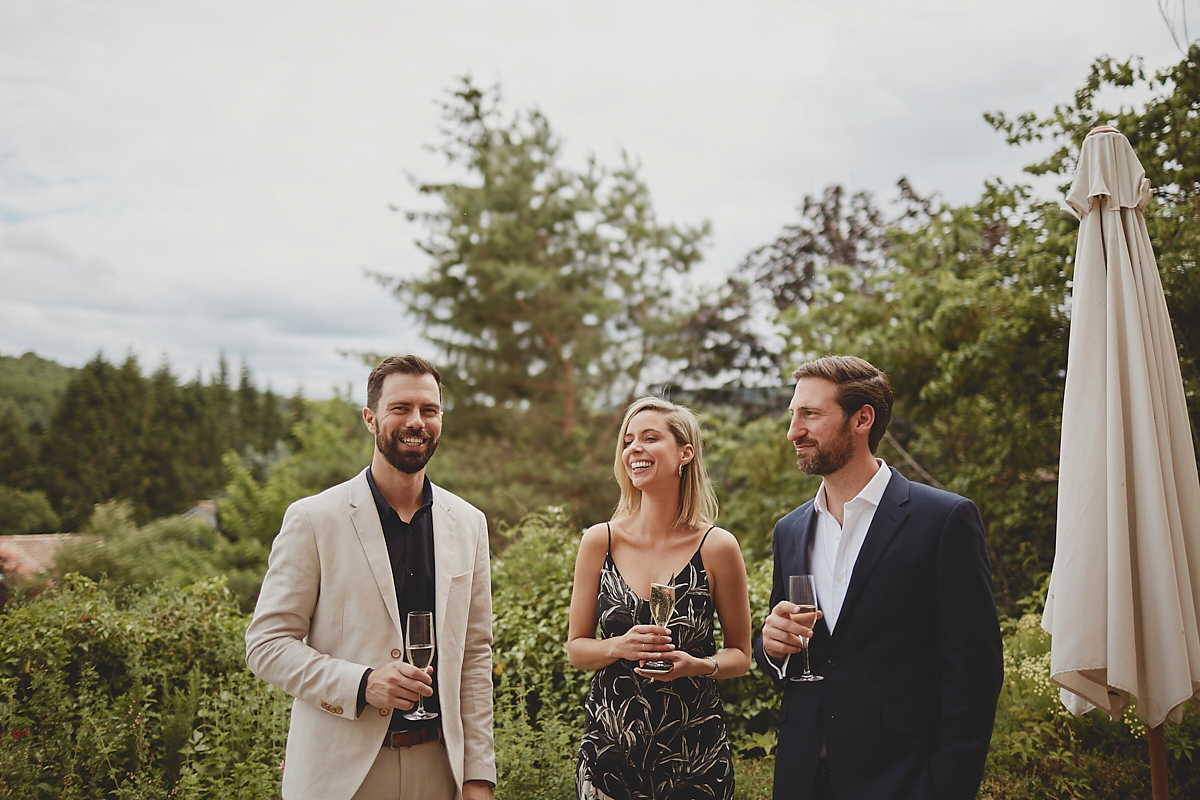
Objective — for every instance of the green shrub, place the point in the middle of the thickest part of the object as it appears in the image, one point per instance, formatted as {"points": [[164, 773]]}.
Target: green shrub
{"points": [[531, 602], [539, 696], [110, 692], [331, 446], [1039, 750], [752, 701], [534, 760], [144, 698], [176, 550]]}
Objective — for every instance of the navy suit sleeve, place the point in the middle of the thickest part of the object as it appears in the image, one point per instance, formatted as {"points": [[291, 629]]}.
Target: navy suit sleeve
{"points": [[971, 655], [777, 584]]}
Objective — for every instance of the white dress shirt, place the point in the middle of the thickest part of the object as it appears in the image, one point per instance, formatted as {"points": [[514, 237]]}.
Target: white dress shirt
{"points": [[835, 548]]}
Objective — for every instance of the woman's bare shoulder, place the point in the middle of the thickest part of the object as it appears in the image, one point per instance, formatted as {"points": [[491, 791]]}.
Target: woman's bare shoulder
{"points": [[720, 542], [595, 538]]}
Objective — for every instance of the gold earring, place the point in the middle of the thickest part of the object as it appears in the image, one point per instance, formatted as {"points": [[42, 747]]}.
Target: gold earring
{"points": [[681, 470]]}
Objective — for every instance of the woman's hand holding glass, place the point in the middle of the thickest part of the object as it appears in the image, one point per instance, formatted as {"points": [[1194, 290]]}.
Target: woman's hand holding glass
{"points": [[644, 643]]}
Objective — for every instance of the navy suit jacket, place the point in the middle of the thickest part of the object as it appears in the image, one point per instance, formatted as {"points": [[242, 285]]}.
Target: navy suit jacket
{"points": [[913, 668]]}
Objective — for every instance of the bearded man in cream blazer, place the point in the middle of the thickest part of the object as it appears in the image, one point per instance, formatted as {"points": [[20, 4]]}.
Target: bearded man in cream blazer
{"points": [[345, 569]]}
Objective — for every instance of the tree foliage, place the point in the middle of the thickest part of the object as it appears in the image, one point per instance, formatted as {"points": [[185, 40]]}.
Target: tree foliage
{"points": [[1165, 134], [119, 434], [18, 448], [968, 307], [553, 294], [118, 552], [35, 385], [25, 512], [331, 445], [966, 312]]}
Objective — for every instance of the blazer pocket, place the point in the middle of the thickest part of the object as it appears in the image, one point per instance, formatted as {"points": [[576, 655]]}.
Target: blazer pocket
{"points": [[458, 603]]}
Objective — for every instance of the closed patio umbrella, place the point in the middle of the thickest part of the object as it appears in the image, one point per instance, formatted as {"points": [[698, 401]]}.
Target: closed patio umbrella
{"points": [[1124, 601]]}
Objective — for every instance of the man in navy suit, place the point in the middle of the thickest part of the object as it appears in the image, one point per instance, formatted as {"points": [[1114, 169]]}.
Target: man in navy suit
{"points": [[907, 641]]}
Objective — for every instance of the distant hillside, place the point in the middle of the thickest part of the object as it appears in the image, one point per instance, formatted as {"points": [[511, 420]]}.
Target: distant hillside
{"points": [[35, 384]]}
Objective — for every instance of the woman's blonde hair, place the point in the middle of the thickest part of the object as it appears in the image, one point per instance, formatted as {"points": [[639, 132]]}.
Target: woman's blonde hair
{"points": [[697, 501]]}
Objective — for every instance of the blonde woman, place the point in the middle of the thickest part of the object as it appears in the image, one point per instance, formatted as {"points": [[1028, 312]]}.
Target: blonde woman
{"points": [[651, 733]]}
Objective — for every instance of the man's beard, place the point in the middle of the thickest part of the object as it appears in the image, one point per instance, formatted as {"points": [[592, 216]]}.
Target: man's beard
{"points": [[828, 461], [406, 461]]}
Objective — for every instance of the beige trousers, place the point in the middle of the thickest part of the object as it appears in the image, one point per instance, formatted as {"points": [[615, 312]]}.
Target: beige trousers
{"points": [[410, 773]]}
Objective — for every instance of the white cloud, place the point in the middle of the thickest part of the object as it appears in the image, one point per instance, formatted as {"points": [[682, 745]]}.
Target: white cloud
{"points": [[179, 181]]}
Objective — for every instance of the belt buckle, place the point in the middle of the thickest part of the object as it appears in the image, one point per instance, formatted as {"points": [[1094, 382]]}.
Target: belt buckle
{"points": [[400, 740]]}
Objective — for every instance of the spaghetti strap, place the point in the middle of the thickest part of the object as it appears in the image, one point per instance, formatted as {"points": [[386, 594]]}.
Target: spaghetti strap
{"points": [[705, 538], [609, 526]]}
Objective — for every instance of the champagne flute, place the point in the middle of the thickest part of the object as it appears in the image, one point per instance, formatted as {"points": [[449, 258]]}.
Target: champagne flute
{"points": [[418, 642], [803, 592], [662, 606]]}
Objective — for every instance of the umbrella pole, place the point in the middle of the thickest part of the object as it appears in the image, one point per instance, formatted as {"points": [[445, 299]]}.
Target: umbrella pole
{"points": [[1158, 762]]}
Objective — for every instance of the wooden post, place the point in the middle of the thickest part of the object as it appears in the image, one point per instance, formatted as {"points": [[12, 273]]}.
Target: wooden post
{"points": [[1158, 762]]}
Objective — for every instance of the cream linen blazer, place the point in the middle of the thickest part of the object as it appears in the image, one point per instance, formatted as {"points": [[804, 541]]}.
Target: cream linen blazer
{"points": [[327, 611]]}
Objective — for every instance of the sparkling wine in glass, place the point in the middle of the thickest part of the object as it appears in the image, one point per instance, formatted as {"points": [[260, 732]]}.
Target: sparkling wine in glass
{"points": [[662, 606], [803, 592], [419, 644]]}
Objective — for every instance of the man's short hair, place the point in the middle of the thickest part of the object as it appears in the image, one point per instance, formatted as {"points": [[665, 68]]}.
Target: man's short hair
{"points": [[404, 365], [859, 383]]}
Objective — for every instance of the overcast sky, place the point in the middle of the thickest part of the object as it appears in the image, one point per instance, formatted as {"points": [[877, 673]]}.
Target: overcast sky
{"points": [[179, 180]]}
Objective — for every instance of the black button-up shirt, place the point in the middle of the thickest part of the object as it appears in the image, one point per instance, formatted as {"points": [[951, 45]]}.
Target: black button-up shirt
{"points": [[410, 550]]}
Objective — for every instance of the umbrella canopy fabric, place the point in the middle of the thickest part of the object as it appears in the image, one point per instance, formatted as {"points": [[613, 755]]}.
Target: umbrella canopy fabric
{"points": [[1124, 598]]}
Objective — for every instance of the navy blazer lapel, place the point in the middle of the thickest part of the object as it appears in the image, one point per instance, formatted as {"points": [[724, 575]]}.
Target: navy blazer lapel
{"points": [[889, 516], [797, 549]]}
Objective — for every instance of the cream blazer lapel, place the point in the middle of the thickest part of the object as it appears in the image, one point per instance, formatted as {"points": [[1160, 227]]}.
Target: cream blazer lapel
{"points": [[447, 553], [365, 518]]}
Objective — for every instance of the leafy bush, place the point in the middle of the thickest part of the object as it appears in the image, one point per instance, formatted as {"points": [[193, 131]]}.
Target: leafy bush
{"points": [[531, 601], [1039, 750], [108, 692], [177, 551], [146, 698], [539, 696], [534, 760], [752, 701], [754, 472]]}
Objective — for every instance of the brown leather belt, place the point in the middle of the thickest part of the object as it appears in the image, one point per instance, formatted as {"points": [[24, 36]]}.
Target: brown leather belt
{"points": [[396, 740]]}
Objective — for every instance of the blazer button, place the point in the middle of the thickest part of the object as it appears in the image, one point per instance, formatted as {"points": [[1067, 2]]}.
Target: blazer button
{"points": [[832, 663], [383, 712], [396, 653]]}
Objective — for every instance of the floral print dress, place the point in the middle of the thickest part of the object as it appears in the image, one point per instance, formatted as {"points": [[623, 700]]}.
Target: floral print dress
{"points": [[646, 739]]}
